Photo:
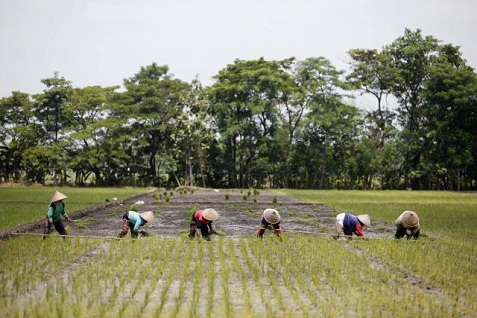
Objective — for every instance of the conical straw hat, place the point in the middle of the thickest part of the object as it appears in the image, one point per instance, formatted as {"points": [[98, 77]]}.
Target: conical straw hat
{"points": [[210, 214], [148, 216], [271, 216], [58, 196], [410, 219], [364, 218]]}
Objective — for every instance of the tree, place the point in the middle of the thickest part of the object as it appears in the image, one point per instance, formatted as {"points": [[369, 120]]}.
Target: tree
{"points": [[244, 103], [412, 55], [320, 96], [17, 134], [94, 138], [450, 96], [50, 113], [373, 73], [151, 104], [194, 133]]}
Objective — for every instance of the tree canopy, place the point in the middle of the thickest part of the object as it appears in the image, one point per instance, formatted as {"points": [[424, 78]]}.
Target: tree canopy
{"points": [[262, 123]]}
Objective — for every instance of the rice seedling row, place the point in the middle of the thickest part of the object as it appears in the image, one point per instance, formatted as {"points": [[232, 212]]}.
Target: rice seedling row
{"points": [[241, 275]]}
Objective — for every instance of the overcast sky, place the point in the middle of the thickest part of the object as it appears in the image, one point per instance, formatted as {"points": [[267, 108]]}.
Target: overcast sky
{"points": [[102, 42]]}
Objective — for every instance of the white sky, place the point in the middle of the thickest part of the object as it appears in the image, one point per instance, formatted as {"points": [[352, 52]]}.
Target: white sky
{"points": [[102, 42]]}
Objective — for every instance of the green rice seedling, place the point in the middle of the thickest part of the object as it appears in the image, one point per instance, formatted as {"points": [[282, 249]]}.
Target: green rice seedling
{"points": [[292, 212], [245, 197], [225, 278], [20, 205], [83, 222], [198, 277], [251, 212], [304, 216], [187, 271], [237, 268], [255, 266], [227, 196], [275, 199]]}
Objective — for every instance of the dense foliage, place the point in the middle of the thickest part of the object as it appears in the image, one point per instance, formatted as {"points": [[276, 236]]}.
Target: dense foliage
{"points": [[262, 123]]}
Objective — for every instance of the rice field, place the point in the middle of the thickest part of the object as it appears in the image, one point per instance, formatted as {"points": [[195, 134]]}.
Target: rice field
{"points": [[298, 276]]}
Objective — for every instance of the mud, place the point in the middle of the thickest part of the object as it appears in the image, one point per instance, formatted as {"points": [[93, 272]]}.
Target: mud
{"points": [[237, 216]]}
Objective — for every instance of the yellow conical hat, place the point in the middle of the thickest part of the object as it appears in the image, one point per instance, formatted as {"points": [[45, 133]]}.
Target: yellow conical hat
{"points": [[210, 214], [148, 216], [57, 197]]}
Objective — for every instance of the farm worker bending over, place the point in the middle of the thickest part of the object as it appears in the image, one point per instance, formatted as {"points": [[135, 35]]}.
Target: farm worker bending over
{"points": [[202, 219], [133, 221], [56, 209], [350, 223], [270, 221], [408, 224]]}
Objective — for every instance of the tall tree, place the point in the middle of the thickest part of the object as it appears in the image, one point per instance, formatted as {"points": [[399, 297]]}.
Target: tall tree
{"points": [[194, 134], [412, 55], [450, 96], [94, 141], [372, 73], [244, 103], [17, 133], [152, 104], [50, 112]]}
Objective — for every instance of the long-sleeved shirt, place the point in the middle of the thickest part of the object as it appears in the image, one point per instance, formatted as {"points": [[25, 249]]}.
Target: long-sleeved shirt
{"points": [[350, 223], [136, 219], [56, 210]]}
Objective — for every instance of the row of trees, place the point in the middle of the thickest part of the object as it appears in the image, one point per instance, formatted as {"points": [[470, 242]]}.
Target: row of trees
{"points": [[285, 123]]}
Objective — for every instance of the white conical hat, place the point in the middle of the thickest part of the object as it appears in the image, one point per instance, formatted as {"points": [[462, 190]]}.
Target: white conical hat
{"points": [[210, 214], [148, 216], [271, 216], [364, 218], [58, 196], [410, 219]]}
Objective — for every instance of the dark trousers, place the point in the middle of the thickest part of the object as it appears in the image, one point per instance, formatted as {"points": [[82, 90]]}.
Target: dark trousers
{"points": [[59, 227], [204, 228], [401, 231]]}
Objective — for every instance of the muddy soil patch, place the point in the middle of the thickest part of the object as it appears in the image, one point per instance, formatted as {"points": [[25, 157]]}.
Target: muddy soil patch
{"points": [[238, 217]]}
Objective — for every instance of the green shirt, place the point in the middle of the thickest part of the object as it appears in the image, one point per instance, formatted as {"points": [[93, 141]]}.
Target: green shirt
{"points": [[56, 210]]}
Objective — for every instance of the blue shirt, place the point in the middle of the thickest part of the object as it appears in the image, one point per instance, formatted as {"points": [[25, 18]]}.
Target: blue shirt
{"points": [[136, 219]]}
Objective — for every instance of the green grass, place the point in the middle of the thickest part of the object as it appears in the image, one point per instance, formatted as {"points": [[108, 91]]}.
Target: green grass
{"points": [[20, 205], [299, 276], [443, 214]]}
